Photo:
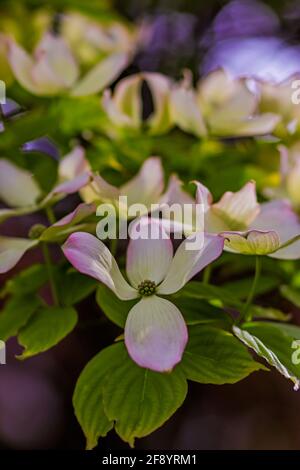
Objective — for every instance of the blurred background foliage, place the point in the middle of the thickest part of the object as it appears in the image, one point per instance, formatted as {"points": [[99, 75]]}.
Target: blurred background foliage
{"points": [[179, 35]]}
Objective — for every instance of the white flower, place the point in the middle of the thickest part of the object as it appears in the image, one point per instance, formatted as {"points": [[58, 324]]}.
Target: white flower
{"points": [[155, 331]]}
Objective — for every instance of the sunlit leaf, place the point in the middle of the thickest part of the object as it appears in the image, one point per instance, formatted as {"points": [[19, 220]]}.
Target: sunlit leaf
{"points": [[273, 344], [215, 356], [140, 400]]}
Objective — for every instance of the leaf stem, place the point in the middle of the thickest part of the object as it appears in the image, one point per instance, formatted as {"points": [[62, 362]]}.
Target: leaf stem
{"points": [[47, 257], [207, 274], [50, 215], [245, 314]]}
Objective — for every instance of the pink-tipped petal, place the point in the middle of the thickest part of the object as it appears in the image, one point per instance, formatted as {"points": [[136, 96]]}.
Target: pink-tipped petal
{"points": [[73, 164], [103, 190], [72, 186], [63, 227], [12, 250], [175, 194], [149, 259], [190, 260], [147, 186], [203, 196], [81, 212], [155, 334], [90, 256]]}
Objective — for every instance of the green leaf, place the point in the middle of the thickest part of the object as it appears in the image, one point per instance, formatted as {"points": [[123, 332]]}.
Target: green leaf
{"points": [[115, 309], [200, 290], [27, 281], [74, 287], [71, 114], [201, 312], [113, 388], [273, 344], [240, 288], [292, 294], [45, 329], [16, 314], [140, 400], [292, 330], [257, 311], [88, 395], [215, 356]]}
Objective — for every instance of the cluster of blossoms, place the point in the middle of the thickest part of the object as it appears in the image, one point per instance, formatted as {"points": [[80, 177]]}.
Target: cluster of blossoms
{"points": [[155, 332], [55, 65], [218, 106]]}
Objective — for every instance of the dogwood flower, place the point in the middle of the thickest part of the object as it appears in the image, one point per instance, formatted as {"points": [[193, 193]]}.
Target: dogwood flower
{"points": [[277, 98], [155, 331], [89, 37], [289, 183], [141, 195], [17, 186], [145, 188], [74, 173], [221, 106], [23, 195], [124, 107], [52, 68], [12, 250], [249, 227], [18, 190]]}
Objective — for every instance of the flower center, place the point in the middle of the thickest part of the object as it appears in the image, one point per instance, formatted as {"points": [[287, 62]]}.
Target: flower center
{"points": [[147, 288]]}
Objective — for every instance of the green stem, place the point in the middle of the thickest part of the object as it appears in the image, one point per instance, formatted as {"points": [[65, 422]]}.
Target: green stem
{"points": [[50, 273], [50, 215], [207, 274], [245, 314]]}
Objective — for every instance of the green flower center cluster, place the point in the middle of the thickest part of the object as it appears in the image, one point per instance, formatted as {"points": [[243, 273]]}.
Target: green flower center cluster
{"points": [[147, 288]]}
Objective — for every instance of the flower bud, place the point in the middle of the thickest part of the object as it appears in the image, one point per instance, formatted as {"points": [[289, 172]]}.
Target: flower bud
{"points": [[36, 231]]}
